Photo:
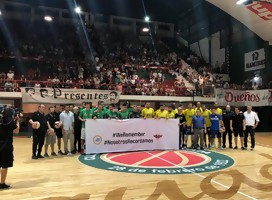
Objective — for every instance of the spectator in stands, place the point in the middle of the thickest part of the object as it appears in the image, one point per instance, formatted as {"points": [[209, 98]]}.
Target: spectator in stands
{"points": [[8, 87], [10, 75]]}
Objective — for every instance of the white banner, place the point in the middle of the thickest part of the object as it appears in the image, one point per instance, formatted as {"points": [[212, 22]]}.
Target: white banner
{"points": [[244, 97], [255, 60], [68, 96], [256, 16], [103, 135]]}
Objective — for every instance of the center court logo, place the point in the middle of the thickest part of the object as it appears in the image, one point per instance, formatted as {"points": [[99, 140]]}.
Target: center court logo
{"points": [[160, 162]]}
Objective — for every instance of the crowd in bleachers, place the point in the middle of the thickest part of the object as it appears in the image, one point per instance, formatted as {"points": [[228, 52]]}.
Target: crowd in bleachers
{"points": [[101, 59]]}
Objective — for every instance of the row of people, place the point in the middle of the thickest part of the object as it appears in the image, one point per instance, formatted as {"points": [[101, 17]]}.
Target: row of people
{"points": [[71, 124]]}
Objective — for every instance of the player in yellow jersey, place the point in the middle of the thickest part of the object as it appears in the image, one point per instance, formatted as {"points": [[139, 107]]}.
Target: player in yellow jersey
{"points": [[189, 114], [161, 113], [171, 112], [175, 110], [198, 107], [148, 112], [218, 110], [206, 114]]}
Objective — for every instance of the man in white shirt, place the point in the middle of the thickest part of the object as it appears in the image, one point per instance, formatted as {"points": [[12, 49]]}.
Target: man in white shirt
{"points": [[67, 120], [252, 121], [10, 75]]}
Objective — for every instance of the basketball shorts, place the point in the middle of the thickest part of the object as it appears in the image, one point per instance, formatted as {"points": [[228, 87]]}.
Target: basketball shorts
{"points": [[50, 139], [188, 131], [239, 132], [83, 134], [6, 155], [215, 134]]}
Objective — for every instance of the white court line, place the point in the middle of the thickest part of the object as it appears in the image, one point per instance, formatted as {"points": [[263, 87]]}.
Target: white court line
{"points": [[224, 186]]}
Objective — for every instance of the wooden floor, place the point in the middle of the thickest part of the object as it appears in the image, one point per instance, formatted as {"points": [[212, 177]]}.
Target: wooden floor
{"points": [[67, 178]]}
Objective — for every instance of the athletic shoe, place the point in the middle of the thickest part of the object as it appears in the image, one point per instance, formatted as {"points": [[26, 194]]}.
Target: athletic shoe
{"points": [[244, 148], [230, 147], [66, 152], [201, 148], [40, 156], [251, 149], [60, 152], [53, 154], [235, 147], [213, 145], [4, 186], [81, 151], [46, 155], [73, 152], [222, 148], [34, 157]]}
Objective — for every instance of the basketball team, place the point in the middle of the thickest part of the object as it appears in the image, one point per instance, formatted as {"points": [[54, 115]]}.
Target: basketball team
{"points": [[201, 125]]}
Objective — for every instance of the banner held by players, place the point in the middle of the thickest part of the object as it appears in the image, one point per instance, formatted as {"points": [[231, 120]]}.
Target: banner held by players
{"points": [[68, 96], [103, 135]]}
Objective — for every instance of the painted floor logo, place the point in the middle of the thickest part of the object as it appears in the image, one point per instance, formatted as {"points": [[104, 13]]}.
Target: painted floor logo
{"points": [[160, 162]]}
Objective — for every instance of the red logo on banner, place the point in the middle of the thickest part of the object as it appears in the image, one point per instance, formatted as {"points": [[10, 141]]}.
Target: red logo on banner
{"points": [[157, 136], [263, 10]]}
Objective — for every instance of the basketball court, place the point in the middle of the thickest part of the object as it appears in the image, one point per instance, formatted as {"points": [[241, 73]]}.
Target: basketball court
{"points": [[145, 175]]}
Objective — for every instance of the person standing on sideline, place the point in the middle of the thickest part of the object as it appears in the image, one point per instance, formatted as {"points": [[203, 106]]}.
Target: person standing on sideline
{"points": [[189, 114], [77, 130], [86, 113], [252, 121], [226, 119], [217, 122], [39, 133], [217, 109], [238, 126], [182, 121], [198, 107], [7, 128], [198, 126], [58, 130], [206, 114], [111, 113], [136, 113], [50, 139], [67, 120], [148, 112]]}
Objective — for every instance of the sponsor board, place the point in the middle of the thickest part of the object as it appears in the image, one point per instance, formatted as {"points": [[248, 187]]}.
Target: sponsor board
{"points": [[244, 97], [68, 96], [160, 162], [263, 10], [255, 60]]}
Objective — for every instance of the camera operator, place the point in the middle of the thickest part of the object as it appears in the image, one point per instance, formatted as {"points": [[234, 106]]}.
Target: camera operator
{"points": [[38, 132], [8, 126]]}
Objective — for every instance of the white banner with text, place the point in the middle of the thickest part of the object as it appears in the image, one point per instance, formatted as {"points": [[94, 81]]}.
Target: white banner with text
{"points": [[244, 97], [68, 96], [103, 135]]}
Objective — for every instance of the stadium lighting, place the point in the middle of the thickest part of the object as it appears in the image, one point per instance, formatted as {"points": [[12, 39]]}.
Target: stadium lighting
{"points": [[78, 10], [48, 18], [245, 2], [240, 2], [147, 19], [145, 30], [256, 78], [0, 12]]}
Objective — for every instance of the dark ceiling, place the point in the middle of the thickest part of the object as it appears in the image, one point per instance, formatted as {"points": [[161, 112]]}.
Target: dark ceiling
{"points": [[194, 19], [158, 10]]}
